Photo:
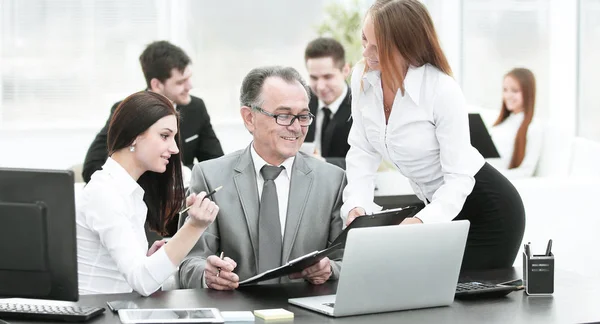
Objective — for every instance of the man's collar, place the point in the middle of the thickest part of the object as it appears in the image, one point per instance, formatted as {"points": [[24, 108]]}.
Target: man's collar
{"points": [[259, 162], [335, 105]]}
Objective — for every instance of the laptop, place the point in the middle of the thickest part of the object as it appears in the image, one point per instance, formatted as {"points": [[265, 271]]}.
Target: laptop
{"points": [[394, 268], [481, 138]]}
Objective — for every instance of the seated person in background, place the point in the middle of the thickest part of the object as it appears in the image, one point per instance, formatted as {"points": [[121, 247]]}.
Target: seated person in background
{"points": [[140, 181], [167, 70], [277, 204], [330, 103], [517, 138]]}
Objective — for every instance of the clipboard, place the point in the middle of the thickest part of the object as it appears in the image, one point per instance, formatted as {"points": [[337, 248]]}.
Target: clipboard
{"points": [[293, 266], [383, 218], [481, 138]]}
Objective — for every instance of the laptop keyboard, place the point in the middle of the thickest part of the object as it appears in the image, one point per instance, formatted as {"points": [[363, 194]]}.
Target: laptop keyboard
{"points": [[481, 290], [473, 289], [48, 312]]}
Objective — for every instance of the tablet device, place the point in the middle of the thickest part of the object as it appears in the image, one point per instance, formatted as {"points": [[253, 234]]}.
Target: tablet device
{"points": [[171, 315], [383, 218]]}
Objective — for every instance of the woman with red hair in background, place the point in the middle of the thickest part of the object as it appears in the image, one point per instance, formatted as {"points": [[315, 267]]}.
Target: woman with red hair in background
{"points": [[517, 139]]}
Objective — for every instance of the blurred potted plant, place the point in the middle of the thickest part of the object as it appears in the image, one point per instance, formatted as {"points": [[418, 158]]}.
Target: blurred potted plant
{"points": [[343, 23]]}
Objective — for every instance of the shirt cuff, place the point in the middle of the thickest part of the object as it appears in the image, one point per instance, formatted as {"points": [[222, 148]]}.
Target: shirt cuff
{"points": [[432, 214], [369, 207], [160, 266]]}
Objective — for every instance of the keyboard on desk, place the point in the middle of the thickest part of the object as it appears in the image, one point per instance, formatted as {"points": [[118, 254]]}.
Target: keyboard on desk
{"points": [[475, 290], [48, 312]]}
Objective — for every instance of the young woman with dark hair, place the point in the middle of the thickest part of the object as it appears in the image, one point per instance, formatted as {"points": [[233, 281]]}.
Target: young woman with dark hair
{"points": [[517, 138], [407, 108], [140, 182]]}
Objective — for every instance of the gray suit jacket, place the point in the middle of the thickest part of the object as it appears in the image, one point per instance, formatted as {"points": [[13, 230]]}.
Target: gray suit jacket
{"points": [[313, 218]]}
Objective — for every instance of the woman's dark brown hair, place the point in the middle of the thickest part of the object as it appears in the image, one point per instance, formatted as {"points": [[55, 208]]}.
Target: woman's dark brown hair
{"points": [[404, 27], [163, 192], [526, 81]]}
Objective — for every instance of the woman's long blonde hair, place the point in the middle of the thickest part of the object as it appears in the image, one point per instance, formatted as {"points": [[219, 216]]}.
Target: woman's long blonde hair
{"points": [[404, 27]]}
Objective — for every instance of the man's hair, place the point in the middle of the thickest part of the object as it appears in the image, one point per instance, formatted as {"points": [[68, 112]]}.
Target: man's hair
{"points": [[326, 47], [250, 93], [159, 58]]}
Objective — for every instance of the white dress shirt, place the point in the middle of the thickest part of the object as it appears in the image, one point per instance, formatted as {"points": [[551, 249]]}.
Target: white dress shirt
{"points": [[504, 135], [427, 138], [111, 240], [334, 106], [282, 183]]}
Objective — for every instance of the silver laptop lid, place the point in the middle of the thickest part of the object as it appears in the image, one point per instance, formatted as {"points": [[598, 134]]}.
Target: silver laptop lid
{"points": [[400, 267]]}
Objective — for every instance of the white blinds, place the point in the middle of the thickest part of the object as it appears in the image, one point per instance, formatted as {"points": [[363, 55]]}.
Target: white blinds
{"points": [[65, 62]]}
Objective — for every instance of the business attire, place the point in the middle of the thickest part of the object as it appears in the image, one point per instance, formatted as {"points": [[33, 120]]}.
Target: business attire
{"points": [[427, 139], [504, 135], [111, 240], [332, 140], [198, 139], [309, 192]]}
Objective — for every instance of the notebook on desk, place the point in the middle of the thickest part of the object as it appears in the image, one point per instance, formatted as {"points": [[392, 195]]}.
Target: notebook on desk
{"points": [[395, 268]]}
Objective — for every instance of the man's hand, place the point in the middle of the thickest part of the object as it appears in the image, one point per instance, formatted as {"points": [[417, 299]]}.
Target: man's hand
{"points": [[355, 212], [316, 274], [155, 246], [223, 279], [411, 220]]}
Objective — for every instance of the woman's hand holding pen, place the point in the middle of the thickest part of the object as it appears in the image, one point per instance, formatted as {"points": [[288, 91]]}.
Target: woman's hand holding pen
{"points": [[219, 275], [201, 212], [355, 212]]}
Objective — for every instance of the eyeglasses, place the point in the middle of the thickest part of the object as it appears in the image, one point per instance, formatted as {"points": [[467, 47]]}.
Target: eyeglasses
{"points": [[288, 119]]}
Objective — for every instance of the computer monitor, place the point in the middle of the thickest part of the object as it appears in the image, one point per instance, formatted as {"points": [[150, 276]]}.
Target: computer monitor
{"points": [[38, 246]]}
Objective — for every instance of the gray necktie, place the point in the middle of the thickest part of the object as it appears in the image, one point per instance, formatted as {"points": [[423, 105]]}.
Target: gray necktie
{"points": [[269, 226]]}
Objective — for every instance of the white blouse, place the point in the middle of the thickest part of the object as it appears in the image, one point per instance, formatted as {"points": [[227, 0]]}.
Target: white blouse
{"points": [[427, 138], [504, 135], [111, 240]]}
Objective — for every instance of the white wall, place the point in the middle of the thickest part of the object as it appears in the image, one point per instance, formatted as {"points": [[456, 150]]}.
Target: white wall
{"points": [[63, 148]]}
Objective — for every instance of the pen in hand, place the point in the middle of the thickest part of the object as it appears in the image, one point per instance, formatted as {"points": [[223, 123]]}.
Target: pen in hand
{"points": [[207, 196], [219, 268]]}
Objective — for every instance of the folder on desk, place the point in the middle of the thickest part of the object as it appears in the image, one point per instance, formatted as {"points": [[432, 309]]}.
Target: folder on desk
{"points": [[293, 266], [383, 218]]}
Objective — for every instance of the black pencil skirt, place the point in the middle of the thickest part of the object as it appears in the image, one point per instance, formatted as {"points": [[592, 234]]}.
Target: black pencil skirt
{"points": [[497, 216]]}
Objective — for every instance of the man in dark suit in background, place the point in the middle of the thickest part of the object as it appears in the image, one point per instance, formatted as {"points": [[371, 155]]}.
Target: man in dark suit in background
{"points": [[327, 68], [167, 70]]}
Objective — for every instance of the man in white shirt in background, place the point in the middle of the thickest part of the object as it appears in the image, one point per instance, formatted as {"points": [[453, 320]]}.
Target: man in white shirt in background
{"points": [[300, 196], [327, 68]]}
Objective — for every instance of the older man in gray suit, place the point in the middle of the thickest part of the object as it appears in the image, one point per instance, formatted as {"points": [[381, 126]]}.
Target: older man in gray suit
{"points": [[276, 204]]}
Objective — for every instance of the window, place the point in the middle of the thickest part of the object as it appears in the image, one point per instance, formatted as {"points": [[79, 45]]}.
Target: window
{"points": [[69, 61], [499, 35], [588, 114], [65, 62]]}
